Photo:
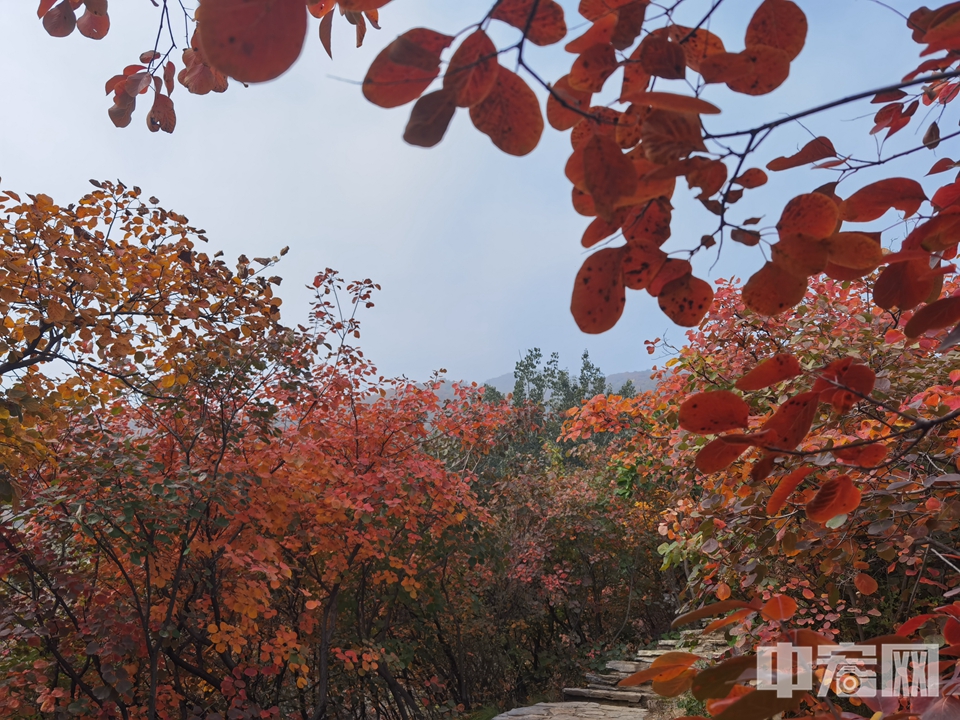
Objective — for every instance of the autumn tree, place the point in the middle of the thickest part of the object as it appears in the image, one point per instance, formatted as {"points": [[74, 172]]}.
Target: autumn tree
{"points": [[630, 145]]}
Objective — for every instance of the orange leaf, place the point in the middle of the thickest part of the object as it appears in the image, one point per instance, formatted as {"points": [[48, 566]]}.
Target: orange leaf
{"points": [[792, 420], [779, 24], [675, 686], [835, 497], [713, 412], [942, 165], [854, 250], [865, 456], [779, 608], [405, 68], [430, 117], [635, 78], [563, 105], [710, 611], [510, 115], [686, 300], [697, 44], [641, 264], [767, 69], [817, 149], [662, 58], [771, 371], [800, 255], [630, 19], [752, 178], [671, 270], [676, 103], [719, 454], [871, 202], [546, 26], [812, 214], [472, 71], [601, 32], [598, 292], [44, 7], [592, 68], [785, 489], [648, 222], [865, 584], [729, 620], [772, 290], [669, 136], [252, 40], [723, 591], [608, 174], [598, 230], [940, 314]]}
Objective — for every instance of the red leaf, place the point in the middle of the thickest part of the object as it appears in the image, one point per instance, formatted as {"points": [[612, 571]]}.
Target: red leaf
{"points": [[835, 497], [772, 290], [675, 103], [871, 202], [510, 115], [942, 165], [697, 44], [817, 149], [670, 271], [598, 292], [405, 68], [812, 214], [791, 422], [162, 115], [713, 412], [472, 72], [904, 285], [545, 27], [61, 20], [252, 40], [779, 24], [940, 314], [719, 454], [771, 371], [608, 174], [854, 250], [592, 68], [865, 584], [686, 300], [565, 106], [641, 264], [93, 26], [785, 489], [430, 118], [752, 178], [662, 58]]}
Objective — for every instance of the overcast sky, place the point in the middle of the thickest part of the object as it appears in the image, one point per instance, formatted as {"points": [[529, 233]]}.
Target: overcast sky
{"points": [[476, 251]]}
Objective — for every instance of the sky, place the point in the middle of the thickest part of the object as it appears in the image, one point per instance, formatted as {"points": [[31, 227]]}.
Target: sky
{"points": [[475, 250]]}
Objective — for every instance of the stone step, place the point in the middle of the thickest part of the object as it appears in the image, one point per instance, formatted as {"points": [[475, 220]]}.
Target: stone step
{"points": [[608, 680], [574, 711], [627, 666], [627, 697]]}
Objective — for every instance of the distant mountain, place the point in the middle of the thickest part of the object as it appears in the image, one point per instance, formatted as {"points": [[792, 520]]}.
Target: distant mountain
{"points": [[641, 381]]}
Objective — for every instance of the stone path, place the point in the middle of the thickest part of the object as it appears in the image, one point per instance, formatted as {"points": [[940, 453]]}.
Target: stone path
{"points": [[574, 711], [602, 699]]}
